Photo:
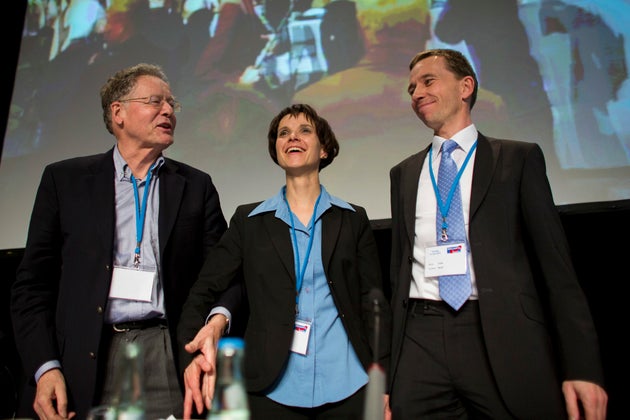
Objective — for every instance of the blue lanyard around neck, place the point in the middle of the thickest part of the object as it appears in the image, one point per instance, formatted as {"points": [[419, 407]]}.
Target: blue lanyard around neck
{"points": [[300, 270], [445, 207], [141, 211]]}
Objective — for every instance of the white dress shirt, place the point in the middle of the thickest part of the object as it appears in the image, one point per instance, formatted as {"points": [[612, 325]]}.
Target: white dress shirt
{"points": [[426, 205]]}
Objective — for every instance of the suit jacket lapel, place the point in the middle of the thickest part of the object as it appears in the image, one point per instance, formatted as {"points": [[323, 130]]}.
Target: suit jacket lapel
{"points": [[486, 159], [280, 236], [172, 187], [100, 184], [410, 182], [331, 228]]}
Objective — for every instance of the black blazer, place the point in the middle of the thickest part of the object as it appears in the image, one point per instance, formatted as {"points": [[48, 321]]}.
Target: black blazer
{"points": [[62, 283], [259, 248], [535, 317]]}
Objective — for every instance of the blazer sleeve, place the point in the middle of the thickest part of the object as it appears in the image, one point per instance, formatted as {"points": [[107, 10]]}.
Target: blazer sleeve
{"points": [[374, 304], [569, 309], [219, 284], [33, 296]]}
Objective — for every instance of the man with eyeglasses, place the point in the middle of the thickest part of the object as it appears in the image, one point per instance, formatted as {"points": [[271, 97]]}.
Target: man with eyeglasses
{"points": [[115, 242]]}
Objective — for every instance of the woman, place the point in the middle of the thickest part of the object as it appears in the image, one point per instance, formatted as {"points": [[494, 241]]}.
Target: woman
{"points": [[310, 268]]}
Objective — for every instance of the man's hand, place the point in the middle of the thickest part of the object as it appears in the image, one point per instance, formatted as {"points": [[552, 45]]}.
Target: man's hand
{"points": [[200, 374], [590, 396], [51, 399]]}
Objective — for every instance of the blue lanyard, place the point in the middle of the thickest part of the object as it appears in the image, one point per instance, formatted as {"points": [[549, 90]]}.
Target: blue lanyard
{"points": [[299, 272], [445, 207], [141, 211]]}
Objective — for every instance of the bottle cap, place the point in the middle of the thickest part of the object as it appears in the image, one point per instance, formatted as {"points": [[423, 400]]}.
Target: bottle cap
{"points": [[132, 350], [231, 342]]}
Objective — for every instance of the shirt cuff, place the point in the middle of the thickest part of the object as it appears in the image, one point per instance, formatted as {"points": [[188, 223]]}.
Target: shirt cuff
{"points": [[53, 364], [220, 310]]}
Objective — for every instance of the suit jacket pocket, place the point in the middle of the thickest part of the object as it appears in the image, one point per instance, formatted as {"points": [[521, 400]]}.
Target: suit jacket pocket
{"points": [[532, 308]]}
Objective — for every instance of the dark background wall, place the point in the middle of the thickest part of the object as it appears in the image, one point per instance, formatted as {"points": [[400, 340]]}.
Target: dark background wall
{"points": [[11, 377], [598, 235], [597, 232]]}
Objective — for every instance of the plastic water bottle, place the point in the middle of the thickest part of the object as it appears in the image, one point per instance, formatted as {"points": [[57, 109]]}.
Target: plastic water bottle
{"points": [[230, 397], [129, 403]]}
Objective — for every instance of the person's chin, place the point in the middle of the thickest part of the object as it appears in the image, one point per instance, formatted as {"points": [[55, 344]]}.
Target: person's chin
{"points": [[166, 142]]}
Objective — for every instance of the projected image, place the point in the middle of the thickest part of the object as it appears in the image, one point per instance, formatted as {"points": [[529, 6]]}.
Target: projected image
{"points": [[558, 62], [209, 48], [583, 53], [561, 64], [554, 72]]}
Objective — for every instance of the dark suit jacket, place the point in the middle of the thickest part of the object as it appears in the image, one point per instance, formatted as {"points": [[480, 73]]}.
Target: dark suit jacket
{"points": [[260, 249], [62, 283], [535, 318]]}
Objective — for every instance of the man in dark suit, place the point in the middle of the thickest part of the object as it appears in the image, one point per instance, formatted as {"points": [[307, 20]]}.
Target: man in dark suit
{"points": [[115, 242], [521, 343]]}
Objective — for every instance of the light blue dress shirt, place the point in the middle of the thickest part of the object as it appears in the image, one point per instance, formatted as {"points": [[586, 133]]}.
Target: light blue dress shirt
{"points": [[331, 370], [121, 310]]}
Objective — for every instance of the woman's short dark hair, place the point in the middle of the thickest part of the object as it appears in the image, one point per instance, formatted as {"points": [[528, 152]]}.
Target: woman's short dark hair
{"points": [[326, 136]]}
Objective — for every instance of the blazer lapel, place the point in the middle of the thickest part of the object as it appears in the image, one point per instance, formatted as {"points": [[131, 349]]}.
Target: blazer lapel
{"points": [[100, 184], [331, 228], [279, 235], [486, 159], [410, 180], [172, 187]]}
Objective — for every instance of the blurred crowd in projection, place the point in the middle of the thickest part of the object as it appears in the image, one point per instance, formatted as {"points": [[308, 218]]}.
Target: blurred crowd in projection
{"points": [[275, 47], [559, 68], [563, 61]]}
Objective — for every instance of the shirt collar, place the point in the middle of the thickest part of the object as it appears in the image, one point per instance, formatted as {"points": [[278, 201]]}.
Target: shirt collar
{"points": [[122, 169], [465, 139], [277, 204]]}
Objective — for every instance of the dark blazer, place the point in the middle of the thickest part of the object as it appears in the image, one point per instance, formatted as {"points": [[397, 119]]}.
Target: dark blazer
{"points": [[62, 283], [535, 318], [260, 249]]}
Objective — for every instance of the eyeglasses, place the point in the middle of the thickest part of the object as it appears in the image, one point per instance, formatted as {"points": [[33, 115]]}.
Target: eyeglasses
{"points": [[156, 101]]}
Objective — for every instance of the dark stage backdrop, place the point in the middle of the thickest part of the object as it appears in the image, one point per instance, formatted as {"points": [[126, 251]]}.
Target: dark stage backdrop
{"points": [[597, 234], [552, 72]]}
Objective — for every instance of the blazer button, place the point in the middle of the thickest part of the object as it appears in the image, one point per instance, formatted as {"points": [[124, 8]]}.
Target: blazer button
{"points": [[92, 355], [107, 267], [410, 260], [99, 309]]}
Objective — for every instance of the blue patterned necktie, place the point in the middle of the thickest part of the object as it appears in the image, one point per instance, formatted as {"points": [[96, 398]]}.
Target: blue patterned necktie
{"points": [[454, 289]]}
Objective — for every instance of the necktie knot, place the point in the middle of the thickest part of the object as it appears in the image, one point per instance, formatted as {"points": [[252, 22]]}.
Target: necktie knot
{"points": [[448, 146]]}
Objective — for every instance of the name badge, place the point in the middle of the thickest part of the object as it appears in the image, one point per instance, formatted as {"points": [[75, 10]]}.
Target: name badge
{"points": [[301, 331], [132, 284], [445, 260]]}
